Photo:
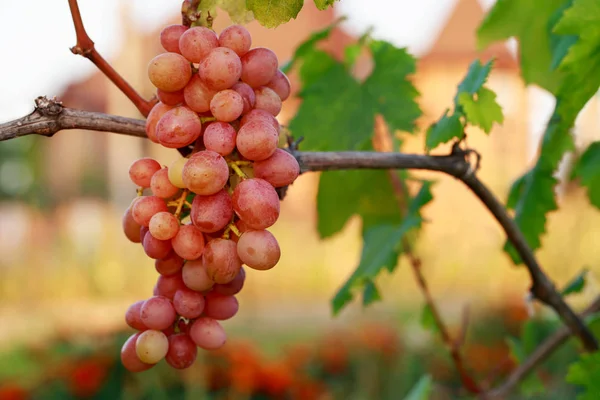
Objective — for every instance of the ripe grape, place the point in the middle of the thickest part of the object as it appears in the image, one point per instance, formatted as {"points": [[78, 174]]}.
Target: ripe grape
{"points": [[169, 265], [130, 227], [156, 248], [281, 85], [197, 95], [155, 115], [169, 37], [208, 333], [169, 72], [248, 96], [143, 209], [151, 346], [197, 42], [236, 38], [182, 351], [161, 186], [158, 313], [167, 286], [220, 69], [196, 277], [227, 105], [268, 100], [133, 316], [220, 307], [205, 173], [220, 138], [129, 357], [263, 116], [221, 260], [141, 171], [233, 287], [212, 213], [259, 66], [256, 202], [188, 243], [257, 140], [258, 249], [281, 169], [178, 127], [188, 303], [176, 172], [164, 225], [170, 98]]}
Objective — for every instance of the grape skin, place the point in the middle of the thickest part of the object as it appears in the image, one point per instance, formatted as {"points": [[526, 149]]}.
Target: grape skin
{"points": [[205, 173], [142, 170], [169, 265], [220, 307], [227, 105], [233, 287], [263, 116], [197, 95], [156, 248], [197, 42], [281, 85], [256, 202], [259, 249], [133, 316], [161, 186], [167, 286], [189, 242], [155, 115], [164, 225], [208, 333], [196, 277], [158, 313], [151, 346], [221, 260], [143, 209], [220, 138], [212, 213], [170, 98], [220, 69], [248, 96], [176, 172], [169, 72], [169, 37], [188, 303], [257, 140], [259, 66], [182, 351], [130, 227], [178, 127], [281, 169], [237, 38], [129, 357], [268, 100]]}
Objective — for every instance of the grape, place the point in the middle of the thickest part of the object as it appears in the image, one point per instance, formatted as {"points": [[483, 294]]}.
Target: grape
{"points": [[143, 231], [220, 138], [220, 307], [161, 186], [178, 127], [188, 243], [188, 303], [169, 37], [133, 316], [151, 346], [221, 260], [233, 287], [169, 265], [176, 172], [167, 286], [247, 94], [205, 173], [263, 116], [281, 169], [256, 202], [141, 171], [220, 69], [197, 42], [259, 66], [129, 357], [257, 140], [164, 225], [182, 351], [197, 95], [156, 248], [169, 72], [146, 207], [208, 333], [170, 98], [268, 100], [130, 227], [258, 249], [281, 85], [236, 38], [195, 276], [155, 115], [212, 213], [227, 105], [158, 313]]}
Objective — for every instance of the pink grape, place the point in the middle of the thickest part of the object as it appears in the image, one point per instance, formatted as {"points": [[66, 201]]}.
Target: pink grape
{"points": [[130, 227], [236, 38], [221, 260], [164, 225], [220, 138], [182, 351], [129, 357], [208, 333], [155, 115], [197, 95], [169, 37], [268, 100], [169, 265], [281, 169], [258, 249], [248, 96], [156, 248], [233, 287], [196, 277], [158, 313], [167, 286], [141, 171], [220, 69], [259, 66], [151, 346], [212, 213], [256, 202], [133, 316], [170, 98], [205, 173], [161, 186], [143, 209], [220, 307], [281, 85], [188, 243], [178, 127], [176, 172], [197, 42], [143, 231], [169, 72], [188, 303], [227, 105], [263, 116], [257, 140]]}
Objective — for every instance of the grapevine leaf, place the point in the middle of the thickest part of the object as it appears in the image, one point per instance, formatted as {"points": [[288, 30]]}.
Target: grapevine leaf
{"points": [[308, 46], [428, 320], [515, 192], [576, 285], [370, 293], [587, 170], [444, 130], [586, 372], [323, 4], [236, 9], [482, 111], [351, 53], [560, 44], [316, 64], [271, 13], [421, 390], [475, 79]]}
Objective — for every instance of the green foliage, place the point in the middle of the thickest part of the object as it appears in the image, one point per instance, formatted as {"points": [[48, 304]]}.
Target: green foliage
{"points": [[421, 390], [587, 170], [272, 13], [576, 285], [427, 319], [586, 372]]}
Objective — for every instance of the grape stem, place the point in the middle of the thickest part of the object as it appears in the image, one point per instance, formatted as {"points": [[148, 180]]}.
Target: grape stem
{"points": [[237, 170], [207, 119], [139, 191], [180, 202]]}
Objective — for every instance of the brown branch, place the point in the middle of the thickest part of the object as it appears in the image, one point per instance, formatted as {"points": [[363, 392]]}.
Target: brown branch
{"points": [[85, 47]]}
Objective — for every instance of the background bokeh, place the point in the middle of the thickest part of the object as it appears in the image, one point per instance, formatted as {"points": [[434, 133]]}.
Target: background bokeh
{"points": [[67, 273]]}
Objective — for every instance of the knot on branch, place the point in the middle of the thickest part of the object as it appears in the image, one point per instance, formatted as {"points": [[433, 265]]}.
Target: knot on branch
{"points": [[48, 107], [189, 12], [466, 154]]}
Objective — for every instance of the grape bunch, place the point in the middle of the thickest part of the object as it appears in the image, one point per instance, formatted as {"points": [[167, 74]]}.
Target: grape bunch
{"points": [[208, 213]]}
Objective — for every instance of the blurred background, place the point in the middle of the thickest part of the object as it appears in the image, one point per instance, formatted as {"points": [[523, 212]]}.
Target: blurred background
{"points": [[67, 273]]}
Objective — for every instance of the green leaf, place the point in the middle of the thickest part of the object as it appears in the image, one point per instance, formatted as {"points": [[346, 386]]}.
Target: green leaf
{"points": [[475, 79], [421, 390], [587, 170], [560, 44], [520, 349], [444, 130], [323, 4], [271, 13], [308, 46], [428, 320], [370, 293], [586, 373], [576, 285], [482, 111]]}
